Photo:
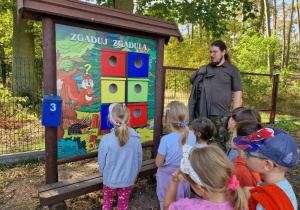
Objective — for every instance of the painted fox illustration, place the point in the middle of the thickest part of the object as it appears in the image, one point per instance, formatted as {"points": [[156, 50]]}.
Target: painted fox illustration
{"points": [[85, 96]]}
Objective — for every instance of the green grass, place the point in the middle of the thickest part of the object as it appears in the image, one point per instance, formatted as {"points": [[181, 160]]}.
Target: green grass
{"points": [[288, 125], [30, 162]]}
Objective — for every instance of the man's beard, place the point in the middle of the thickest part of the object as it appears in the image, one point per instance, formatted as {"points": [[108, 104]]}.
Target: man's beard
{"points": [[215, 63]]}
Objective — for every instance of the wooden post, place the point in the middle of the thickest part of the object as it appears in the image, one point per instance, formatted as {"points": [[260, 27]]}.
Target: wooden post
{"points": [[159, 94], [49, 65], [274, 98]]}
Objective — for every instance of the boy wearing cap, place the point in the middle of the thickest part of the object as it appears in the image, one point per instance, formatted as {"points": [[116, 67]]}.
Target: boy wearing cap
{"points": [[243, 174], [271, 152]]}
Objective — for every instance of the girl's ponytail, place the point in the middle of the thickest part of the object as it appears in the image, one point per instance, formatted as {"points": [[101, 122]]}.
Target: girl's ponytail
{"points": [[238, 199], [185, 135], [177, 116], [216, 173], [119, 116], [122, 134]]}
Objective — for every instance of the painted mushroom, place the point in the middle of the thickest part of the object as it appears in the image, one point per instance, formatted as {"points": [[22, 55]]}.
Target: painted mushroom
{"points": [[92, 140]]}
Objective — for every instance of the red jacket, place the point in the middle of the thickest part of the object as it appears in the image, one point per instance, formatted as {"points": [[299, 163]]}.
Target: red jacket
{"points": [[271, 197]]}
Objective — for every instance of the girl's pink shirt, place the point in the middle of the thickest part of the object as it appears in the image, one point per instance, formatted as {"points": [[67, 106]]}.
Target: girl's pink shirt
{"points": [[195, 203]]}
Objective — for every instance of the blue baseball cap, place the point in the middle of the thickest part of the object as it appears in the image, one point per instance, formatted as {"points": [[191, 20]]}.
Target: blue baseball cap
{"points": [[273, 143]]}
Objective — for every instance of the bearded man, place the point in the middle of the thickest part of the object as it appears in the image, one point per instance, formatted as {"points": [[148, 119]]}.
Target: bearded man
{"points": [[211, 95]]}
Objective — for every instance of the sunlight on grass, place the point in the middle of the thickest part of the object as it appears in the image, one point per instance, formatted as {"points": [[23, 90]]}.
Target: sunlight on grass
{"points": [[265, 117], [288, 125], [284, 117]]}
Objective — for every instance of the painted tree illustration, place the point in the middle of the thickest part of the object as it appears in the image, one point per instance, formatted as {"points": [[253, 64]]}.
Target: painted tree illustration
{"points": [[69, 48]]}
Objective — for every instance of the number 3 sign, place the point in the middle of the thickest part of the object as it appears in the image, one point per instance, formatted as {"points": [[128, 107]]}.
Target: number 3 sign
{"points": [[51, 112], [52, 107]]}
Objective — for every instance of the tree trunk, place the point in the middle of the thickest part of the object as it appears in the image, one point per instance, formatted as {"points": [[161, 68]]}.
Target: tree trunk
{"points": [[289, 36], [200, 30], [24, 80], [188, 29], [260, 23], [125, 5], [283, 36], [268, 33], [274, 17], [192, 32], [298, 23], [242, 23]]}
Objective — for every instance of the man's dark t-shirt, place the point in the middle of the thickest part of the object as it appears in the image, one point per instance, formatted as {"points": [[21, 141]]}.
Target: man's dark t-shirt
{"points": [[227, 79]]}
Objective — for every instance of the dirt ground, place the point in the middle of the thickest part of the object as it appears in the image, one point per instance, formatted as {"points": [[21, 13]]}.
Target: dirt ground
{"points": [[19, 185]]}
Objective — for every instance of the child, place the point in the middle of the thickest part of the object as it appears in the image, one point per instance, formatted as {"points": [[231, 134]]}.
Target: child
{"points": [[271, 152], [204, 131], [232, 119], [210, 174], [170, 151], [240, 114], [245, 177], [119, 158]]}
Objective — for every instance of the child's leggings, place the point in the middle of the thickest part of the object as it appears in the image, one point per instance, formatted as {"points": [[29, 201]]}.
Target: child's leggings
{"points": [[123, 197]]}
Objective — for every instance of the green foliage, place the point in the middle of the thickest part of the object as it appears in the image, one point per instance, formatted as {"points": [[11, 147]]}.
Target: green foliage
{"points": [[286, 125], [107, 3], [6, 5], [288, 95], [250, 52], [257, 91], [6, 29], [188, 54], [12, 107], [212, 14], [38, 37], [285, 75]]}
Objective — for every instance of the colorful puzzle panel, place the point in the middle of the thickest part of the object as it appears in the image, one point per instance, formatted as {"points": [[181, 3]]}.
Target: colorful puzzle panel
{"points": [[94, 70]]}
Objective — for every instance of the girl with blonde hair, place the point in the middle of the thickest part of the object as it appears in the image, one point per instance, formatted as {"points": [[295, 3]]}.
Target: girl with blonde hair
{"points": [[119, 157], [211, 176], [170, 149]]}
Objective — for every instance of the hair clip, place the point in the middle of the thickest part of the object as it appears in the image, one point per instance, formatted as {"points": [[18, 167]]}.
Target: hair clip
{"points": [[183, 124], [234, 183]]}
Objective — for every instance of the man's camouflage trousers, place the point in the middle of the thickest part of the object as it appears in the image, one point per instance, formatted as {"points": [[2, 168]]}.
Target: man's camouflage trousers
{"points": [[222, 136]]}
